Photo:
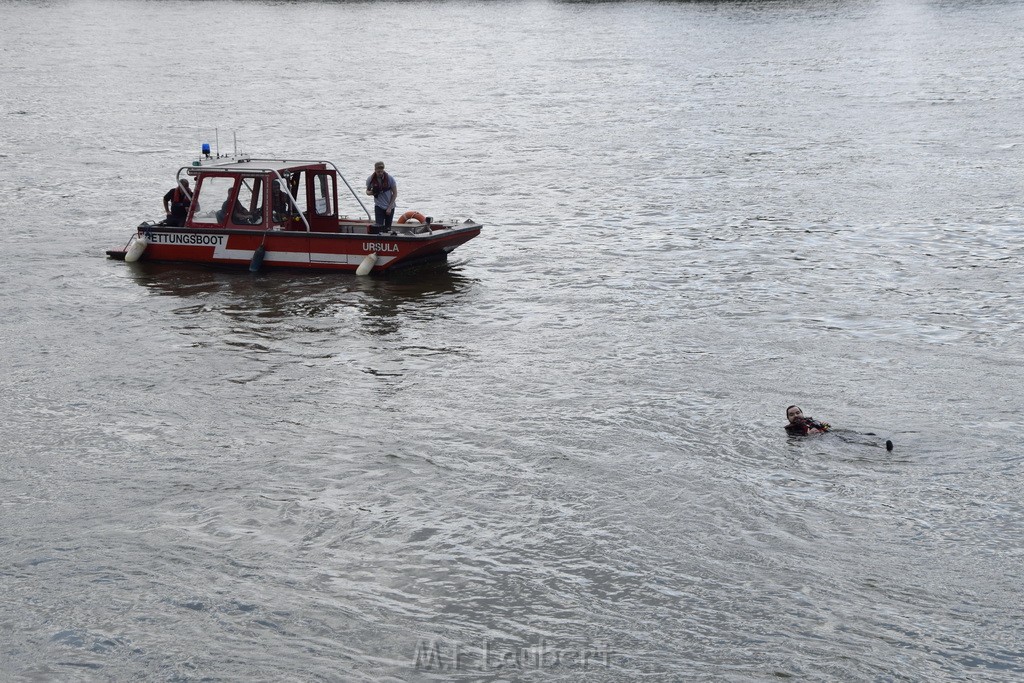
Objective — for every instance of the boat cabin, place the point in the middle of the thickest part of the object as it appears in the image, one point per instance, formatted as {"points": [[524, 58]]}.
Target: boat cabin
{"points": [[262, 194]]}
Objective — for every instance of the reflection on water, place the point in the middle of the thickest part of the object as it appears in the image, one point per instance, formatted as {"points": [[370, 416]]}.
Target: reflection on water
{"points": [[266, 298]]}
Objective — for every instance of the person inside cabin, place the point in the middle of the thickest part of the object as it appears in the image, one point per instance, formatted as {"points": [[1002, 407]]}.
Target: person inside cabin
{"points": [[176, 203], [278, 202], [239, 214], [802, 425], [385, 193]]}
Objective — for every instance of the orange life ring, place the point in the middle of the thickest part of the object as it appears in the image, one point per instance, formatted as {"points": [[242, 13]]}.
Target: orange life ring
{"points": [[409, 215]]}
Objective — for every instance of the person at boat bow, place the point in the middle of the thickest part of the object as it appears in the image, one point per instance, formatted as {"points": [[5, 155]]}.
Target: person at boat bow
{"points": [[385, 193], [176, 203], [802, 425]]}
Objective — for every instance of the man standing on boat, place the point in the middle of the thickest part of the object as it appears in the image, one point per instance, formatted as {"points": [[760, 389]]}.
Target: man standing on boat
{"points": [[176, 203], [385, 192]]}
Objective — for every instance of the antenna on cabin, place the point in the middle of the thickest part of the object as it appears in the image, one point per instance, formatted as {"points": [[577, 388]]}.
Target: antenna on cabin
{"points": [[216, 135], [234, 136]]}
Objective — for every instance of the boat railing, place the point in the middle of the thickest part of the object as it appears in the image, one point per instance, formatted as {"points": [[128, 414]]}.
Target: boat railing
{"points": [[338, 171], [181, 184], [283, 184]]}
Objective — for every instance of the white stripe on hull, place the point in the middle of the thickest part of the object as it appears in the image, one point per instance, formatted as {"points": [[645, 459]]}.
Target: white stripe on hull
{"points": [[222, 252]]}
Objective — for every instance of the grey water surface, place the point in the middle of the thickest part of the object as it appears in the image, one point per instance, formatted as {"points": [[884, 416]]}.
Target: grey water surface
{"points": [[560, 456]]}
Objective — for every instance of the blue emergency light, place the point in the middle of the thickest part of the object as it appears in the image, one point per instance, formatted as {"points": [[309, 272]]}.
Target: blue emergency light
{"points": [[206, 150]]}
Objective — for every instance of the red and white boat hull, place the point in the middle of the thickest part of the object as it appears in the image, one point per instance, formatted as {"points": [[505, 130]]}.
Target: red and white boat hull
{"points": [[288, 249]]}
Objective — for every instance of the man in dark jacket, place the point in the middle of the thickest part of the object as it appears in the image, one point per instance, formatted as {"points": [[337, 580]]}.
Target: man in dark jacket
{"points": [[176, 203]]}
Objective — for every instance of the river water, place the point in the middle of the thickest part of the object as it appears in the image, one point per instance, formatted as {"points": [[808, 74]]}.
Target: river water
{"points": [[560, 456]]}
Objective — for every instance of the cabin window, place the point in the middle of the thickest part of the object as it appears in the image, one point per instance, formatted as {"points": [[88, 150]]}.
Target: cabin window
{"points": [[211, 201], [279, 200], [297, 186], [323, 194], [249, 205]]}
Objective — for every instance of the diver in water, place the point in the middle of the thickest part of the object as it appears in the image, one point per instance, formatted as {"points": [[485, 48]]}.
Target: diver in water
{"points": [[802, 425]]}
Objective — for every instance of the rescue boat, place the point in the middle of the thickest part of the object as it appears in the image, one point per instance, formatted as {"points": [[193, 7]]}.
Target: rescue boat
{"points": [[284, 213]]}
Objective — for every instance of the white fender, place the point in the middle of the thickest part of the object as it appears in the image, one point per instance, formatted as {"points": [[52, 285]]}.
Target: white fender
{"points": [[367, 265], [134, 252]]}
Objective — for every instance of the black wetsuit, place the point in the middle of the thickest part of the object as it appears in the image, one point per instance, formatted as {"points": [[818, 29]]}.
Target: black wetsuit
{"points": [[804, 425]]}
